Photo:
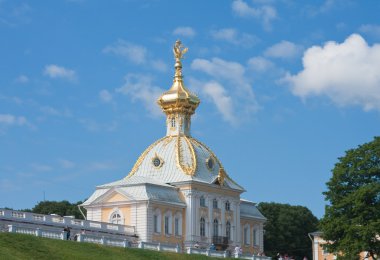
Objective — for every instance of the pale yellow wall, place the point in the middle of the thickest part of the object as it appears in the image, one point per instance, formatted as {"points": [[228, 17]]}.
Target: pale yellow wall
{"points": [[125, 210], [251, 248], [172, 238]]}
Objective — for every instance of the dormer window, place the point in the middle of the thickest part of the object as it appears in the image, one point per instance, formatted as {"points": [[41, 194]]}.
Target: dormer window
{"points": [[173, 121]]}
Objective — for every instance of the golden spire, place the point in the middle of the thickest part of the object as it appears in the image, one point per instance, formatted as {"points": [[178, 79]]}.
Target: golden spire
{"points": [[178, 99]]}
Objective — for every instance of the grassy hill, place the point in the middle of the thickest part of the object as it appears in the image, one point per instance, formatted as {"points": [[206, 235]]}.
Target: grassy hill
{"points": [[18, 246]]}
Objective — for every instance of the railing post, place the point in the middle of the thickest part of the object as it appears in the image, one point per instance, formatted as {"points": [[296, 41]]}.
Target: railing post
{"points": [[189, 249], [80, 238], [11, 229], [63, 235], [102, 240], [177, 248], [38, 232], [141, 245], [125, 243], [208, 252], [225, 254], [159, 247]]}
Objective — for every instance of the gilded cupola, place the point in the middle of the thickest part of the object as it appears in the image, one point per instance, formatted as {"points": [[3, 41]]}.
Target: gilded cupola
{"points": [[178, 103]]}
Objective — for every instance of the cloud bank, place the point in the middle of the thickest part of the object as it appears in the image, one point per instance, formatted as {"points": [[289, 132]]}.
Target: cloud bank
{"points": [[348, 73]]}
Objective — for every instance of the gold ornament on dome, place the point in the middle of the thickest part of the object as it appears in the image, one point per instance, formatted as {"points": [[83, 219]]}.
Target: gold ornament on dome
{"points": [[221, 176], [179, 50]]}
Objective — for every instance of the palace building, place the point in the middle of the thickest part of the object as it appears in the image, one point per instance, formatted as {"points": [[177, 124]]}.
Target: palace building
{"points": [[178, 190]]}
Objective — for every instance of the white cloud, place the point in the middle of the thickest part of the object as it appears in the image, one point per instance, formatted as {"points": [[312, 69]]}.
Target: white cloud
{"points": [[223, 102], [283, 49], [66, 164], [185, 31], [41, 167], [233, 36], [55, 71], [140, 88], [260, 64], [159, 65], [105, 96], [234, 98], [371, 29], [22, 79], [51, 111], [265, 13], [11, 120], [348, 73], [133, 52]]}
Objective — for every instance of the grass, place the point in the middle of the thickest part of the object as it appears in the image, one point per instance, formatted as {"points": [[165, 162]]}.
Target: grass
{"points": [[19, 246]]}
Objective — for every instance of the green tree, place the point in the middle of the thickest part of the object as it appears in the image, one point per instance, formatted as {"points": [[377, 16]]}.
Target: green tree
{"points": [[287, 228], [62, 208], [352, 216]]}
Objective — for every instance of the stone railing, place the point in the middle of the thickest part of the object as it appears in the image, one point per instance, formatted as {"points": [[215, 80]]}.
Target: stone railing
{"points": [[207, 252], [37, 232], [54, 220], [102, 240], [252, 257], [160, 247]]}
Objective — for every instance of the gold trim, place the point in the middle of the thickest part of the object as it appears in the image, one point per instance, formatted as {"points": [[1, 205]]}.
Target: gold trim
{"points": [[217, 159], [142, 156], [187, 169]]}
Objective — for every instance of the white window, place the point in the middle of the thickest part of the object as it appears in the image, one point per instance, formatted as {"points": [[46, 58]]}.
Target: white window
{"points": [[215, 204], [228, 206], [202, 201], [203, 227], [176, 226], [215, 228], [246, 235], [166, 225], [228, 230], [116, 218], [256, 237], [157, 221]]}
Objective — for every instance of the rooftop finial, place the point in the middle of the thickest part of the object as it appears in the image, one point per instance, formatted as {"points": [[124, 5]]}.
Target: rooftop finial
{"points": [[179, 51]]}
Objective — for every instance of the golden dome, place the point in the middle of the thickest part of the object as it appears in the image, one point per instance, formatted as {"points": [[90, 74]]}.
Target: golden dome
{"points": [[178, 99]]}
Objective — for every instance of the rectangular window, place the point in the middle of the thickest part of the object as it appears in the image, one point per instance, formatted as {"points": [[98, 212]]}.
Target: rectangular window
{"points": [[155, 223], [176, 226], [255, 237], [215, 204], [246, 236], [166, 225]]}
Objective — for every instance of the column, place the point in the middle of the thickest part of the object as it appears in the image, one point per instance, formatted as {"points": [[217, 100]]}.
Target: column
{"points": [[223, 217]]}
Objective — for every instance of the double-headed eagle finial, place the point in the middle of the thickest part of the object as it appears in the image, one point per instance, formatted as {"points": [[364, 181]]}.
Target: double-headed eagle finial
{"points": [[179, 50]]}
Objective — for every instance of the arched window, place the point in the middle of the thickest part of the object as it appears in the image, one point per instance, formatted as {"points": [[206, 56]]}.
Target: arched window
{"points": [[228, 230], [215, 228], [202, 201], [116, 218], [168, 223], [173, 121], [255, 237], [215, 204], [157, 221], [246, 235], [203, 227], [228, 206]]}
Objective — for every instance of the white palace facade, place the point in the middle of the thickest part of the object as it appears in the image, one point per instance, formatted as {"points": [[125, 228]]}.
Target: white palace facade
{"points": [[178, 191]]}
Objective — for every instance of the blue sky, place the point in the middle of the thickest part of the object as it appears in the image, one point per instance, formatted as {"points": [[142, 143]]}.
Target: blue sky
{"points": [[286, 87]]}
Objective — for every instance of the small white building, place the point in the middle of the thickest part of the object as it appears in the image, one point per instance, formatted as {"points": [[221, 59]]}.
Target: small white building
{"points": [[178, 190]]}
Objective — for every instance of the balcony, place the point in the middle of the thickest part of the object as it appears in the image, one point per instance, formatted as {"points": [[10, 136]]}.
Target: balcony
{"points": [[220, 242]]}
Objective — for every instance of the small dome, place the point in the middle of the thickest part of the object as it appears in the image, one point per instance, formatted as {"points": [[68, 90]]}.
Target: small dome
{"points": [[180, 158]]}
